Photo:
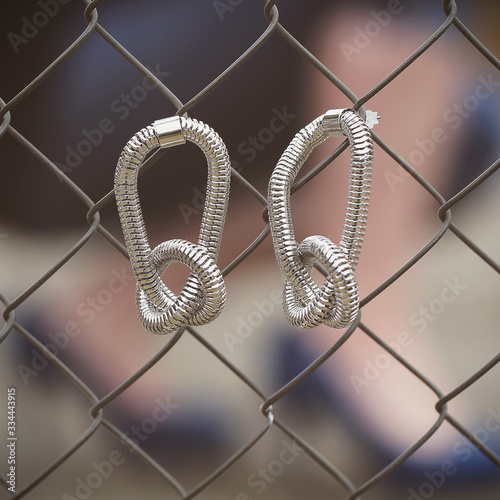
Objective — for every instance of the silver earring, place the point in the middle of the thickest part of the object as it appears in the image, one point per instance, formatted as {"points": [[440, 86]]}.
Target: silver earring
{"points": [[336, 302], [204, 294]]}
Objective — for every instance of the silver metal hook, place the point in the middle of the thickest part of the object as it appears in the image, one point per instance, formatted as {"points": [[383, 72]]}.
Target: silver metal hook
{"points": [[204, 294], [336, 302]]}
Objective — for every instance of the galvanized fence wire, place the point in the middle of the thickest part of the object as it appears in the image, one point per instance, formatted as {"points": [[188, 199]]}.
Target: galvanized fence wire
{"points": [[450, 21]]}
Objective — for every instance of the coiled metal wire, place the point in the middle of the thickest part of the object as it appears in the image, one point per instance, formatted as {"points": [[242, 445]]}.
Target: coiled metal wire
{"points": [[203, 297], [336, 302]]}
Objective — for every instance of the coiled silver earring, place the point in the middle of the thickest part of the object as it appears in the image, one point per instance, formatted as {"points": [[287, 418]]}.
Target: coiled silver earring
{"points": [[336, 302], [204, 295]]}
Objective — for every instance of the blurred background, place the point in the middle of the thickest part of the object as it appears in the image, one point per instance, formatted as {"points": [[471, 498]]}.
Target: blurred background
{"points": [[191, 411]]}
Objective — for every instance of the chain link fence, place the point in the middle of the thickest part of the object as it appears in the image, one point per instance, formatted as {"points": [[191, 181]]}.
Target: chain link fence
{"points": [[403, 404]]}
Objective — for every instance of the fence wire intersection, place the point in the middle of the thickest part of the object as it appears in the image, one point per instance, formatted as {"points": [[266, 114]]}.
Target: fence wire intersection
{"points": [[270, 418]]}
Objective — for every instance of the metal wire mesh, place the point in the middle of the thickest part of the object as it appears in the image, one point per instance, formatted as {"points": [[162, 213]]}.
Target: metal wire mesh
{"points": [[278, 453]]}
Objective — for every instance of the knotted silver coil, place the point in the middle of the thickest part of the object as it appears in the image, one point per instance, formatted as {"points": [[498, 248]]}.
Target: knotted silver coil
{"points": [[204, 294], [336, 302]]}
